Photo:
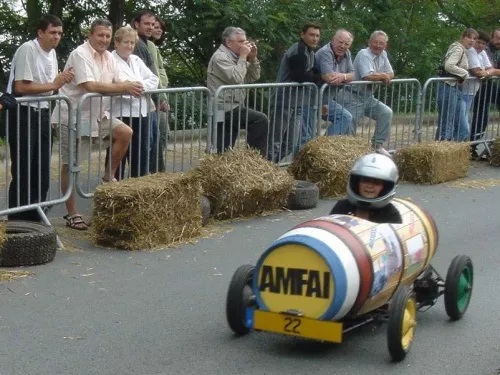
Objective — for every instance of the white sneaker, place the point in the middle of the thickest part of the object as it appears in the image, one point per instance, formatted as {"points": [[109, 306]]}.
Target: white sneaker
{"points": [[382, 151]]}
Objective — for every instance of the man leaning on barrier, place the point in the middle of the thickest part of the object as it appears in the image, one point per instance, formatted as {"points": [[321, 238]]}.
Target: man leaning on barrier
{"points": [[372, 64], [294, 104], [95, 72], [234, 63], [334, 63], [34, 73]]}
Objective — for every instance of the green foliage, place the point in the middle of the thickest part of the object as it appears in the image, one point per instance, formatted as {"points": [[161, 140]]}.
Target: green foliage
{"points": [[419, 30]]}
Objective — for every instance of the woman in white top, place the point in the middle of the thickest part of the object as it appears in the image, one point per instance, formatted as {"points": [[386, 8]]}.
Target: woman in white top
{"points": [[133, 110]]}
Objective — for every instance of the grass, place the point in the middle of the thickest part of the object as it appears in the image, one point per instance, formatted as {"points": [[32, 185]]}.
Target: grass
{"points": [[11, 275]]}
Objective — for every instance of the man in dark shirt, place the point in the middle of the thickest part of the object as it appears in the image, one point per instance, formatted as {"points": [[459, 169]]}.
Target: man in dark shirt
{"points": [[297, 65], [144, 24]]}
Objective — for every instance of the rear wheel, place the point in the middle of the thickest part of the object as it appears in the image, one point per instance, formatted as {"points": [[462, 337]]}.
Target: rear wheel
{"points": [[402, 322], [239, 297], [458, 286]]}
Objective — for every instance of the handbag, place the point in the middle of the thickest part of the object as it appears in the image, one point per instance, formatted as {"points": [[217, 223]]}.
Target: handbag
{"points": [[441, 71]]}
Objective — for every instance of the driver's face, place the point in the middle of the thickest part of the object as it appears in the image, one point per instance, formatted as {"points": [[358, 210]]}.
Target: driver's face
{"points": [[370, 188]]}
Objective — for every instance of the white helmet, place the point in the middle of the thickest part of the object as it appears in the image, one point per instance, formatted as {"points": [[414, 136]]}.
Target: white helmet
{"points": [[375, 166]]}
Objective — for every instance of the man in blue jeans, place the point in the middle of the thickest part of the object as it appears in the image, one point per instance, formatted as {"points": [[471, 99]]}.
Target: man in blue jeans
{"points": [[371, 64], [292, 103], [334, 63]]}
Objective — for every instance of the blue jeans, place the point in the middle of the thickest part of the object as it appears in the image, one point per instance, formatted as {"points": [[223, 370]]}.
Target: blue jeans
{"points": [[340, 119], [367, 105], [306, 127], [453, 124]]}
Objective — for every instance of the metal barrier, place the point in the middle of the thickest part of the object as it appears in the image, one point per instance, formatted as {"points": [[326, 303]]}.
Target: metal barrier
{"points": [[187, 119], [460, 113], [401, 96], [275, 118], [29, 188]]}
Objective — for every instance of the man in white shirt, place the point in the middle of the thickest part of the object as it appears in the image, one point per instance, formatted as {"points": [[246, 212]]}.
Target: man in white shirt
{"points": [[33, 73], [95, 72], [480, 67], [372, 64]]}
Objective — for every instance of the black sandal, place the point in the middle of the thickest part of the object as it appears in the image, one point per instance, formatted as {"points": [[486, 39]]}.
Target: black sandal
{"points": [[75, 221]]}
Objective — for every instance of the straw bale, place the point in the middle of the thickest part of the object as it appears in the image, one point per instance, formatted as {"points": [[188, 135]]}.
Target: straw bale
{"points": [[495, 153], [327, 161], [240, 183], [3, 234], [433, 162], [148, 212]]}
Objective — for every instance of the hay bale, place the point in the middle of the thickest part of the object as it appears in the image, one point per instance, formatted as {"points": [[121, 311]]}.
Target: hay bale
{"points": [[433, 162], [240, 183], [3, 233], [148, 212], [495, 153], [327, 161]]}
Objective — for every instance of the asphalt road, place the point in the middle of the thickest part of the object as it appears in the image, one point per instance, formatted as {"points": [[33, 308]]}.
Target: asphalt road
{"points": [[100, 311]]}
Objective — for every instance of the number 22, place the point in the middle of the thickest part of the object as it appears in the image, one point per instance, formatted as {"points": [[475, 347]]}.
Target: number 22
{"points": [[292, 325]]}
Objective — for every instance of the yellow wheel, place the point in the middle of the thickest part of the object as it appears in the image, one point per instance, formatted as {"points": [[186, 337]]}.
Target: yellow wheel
{"points": [[402, 322]]}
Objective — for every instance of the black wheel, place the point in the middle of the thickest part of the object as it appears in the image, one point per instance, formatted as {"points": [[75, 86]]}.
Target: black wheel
{"points": [[305, 195], [239, 296], [402, 322], [458, 286], [28, 243], [205, 210]]}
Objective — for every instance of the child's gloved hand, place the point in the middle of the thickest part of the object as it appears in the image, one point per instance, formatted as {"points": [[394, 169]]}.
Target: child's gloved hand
{"points": [[7, 101]]}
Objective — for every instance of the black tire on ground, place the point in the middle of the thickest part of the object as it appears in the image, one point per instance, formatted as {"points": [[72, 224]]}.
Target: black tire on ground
{"points": [[28, 244], [305, 195], [238, 296], [403, 299], [205, 210], [458, 286]]}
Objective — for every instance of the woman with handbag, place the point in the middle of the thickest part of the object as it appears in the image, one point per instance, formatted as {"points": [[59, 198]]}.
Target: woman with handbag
{"points": [[453, 124]]}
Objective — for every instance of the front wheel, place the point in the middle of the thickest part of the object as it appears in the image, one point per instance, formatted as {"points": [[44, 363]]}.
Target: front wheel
{"points": [[239, 297], [402, 322], [458, 286]]}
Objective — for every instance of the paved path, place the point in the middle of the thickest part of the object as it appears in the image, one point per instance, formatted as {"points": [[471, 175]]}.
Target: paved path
{"points": [[98, 311]]}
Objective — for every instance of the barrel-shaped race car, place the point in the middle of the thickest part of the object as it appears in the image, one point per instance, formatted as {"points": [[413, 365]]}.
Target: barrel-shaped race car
{"points": [[332, 274]]}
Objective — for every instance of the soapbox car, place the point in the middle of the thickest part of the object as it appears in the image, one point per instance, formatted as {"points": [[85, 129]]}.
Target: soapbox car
{"points": [[330, 275]]}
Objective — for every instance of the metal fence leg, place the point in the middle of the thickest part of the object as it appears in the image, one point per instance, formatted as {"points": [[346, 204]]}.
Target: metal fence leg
{"points": [[46, 221]]}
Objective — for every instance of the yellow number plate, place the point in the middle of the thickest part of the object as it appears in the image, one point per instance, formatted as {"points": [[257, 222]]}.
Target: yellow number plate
{"points": [[298, 326]]}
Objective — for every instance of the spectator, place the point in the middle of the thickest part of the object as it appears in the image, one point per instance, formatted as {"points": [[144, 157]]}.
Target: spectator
{"points": [[95, 72], [453, 123], [144, 23], [480, 67], [131, 110], [372, 64], [334, 63], [297, 65], [156, 40], [489, 92], [235, 62], [34, 72]]}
